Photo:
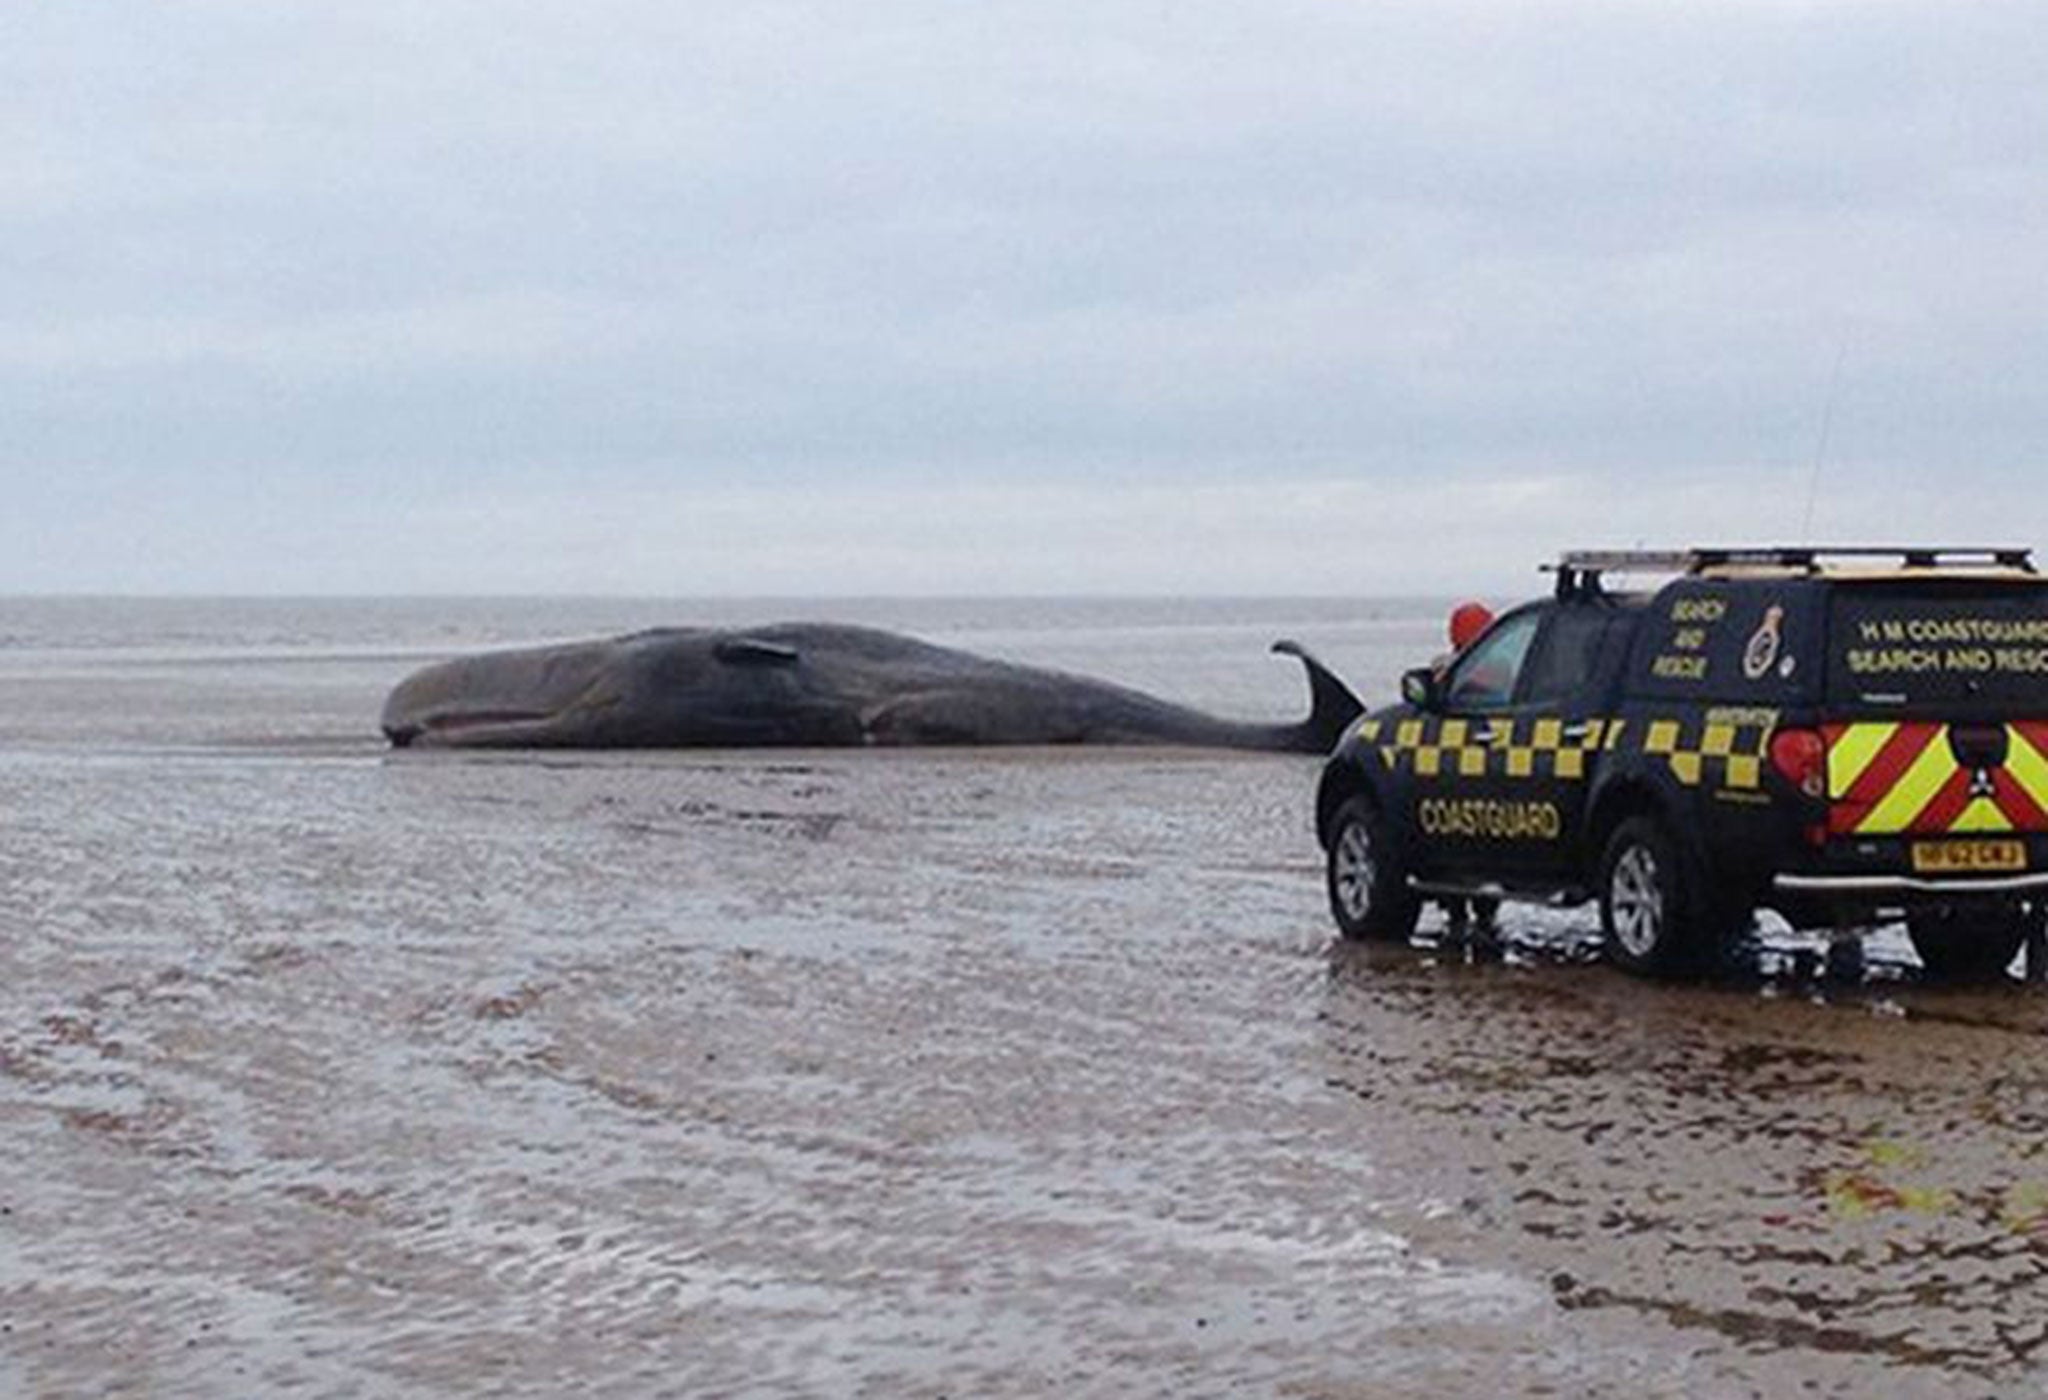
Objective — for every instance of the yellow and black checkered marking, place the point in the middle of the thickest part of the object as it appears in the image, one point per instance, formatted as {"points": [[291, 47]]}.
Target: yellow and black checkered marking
{"points": [[1502, 748], [1723, 753], [1720, 751]]}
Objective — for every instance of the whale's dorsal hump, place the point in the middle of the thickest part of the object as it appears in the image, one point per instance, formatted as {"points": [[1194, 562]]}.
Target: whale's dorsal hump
{"points": [[752, 651]]}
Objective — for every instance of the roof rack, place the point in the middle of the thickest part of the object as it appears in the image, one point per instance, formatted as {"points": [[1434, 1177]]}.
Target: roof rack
{"points": [[1579, 570]]}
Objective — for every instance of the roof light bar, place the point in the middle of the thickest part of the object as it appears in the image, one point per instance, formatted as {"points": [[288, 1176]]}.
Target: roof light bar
{"points": [[1578, 570], [1808, 557], [1912, 556]]}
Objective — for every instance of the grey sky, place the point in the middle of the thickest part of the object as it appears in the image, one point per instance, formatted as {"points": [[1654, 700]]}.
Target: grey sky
{"points": [[957, 297]]}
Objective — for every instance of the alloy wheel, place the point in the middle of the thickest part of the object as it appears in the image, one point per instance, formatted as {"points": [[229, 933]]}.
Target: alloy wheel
{"points": [[1354, 871], [1636, 902]]}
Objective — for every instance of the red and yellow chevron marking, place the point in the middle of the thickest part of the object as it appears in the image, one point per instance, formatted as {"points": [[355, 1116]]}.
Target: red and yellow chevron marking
{"points": [[1903, 779]]}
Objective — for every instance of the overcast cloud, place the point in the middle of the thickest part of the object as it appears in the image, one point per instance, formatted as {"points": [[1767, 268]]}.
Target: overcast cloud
{"points": [[911, 296]]}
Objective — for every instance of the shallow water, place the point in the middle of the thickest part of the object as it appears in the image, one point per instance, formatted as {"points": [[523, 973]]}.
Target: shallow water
{"points": [[326, 1069]]}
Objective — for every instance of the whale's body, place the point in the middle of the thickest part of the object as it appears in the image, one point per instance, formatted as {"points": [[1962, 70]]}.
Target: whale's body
{"points": [[810, 684]]}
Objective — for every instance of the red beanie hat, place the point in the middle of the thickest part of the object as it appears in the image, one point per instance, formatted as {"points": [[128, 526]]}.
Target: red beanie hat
{"points": [[1468, 620]]}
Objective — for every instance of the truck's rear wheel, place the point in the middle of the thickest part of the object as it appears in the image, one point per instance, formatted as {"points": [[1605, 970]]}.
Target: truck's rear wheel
{"points": [[1967, 943], [1654, 916], [1368, 883]]}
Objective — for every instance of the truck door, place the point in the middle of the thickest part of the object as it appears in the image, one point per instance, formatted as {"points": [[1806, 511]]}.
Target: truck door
{"points": [[1469, 818], [1524, 716]]}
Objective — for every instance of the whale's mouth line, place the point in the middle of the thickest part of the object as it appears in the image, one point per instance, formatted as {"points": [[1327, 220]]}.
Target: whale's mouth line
{"points": [[451, 727], [482, 719]]}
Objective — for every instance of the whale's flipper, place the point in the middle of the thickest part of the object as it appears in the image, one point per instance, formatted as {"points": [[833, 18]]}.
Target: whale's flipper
{"points": [[1332, 706]]}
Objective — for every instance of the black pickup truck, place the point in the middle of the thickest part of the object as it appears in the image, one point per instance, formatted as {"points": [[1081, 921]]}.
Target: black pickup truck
{"points": [[1841, 735]]}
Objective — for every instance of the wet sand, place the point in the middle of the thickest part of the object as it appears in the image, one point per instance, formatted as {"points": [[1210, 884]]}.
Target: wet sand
{"points": [[932, 1074]]}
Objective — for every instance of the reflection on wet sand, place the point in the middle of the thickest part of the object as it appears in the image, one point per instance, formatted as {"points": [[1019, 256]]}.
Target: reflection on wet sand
{"points": [[1770, 1160]]}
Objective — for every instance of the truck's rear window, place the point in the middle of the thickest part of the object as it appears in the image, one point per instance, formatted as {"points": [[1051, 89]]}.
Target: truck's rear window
{"points": [[1965, 645]]}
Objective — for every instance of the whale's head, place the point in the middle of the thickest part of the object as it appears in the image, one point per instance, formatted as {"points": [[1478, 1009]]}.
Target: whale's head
{"points": [[503, 697]]}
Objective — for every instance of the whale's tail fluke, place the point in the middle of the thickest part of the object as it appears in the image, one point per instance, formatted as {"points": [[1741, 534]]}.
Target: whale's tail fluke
{"points": [[1332, 706]]}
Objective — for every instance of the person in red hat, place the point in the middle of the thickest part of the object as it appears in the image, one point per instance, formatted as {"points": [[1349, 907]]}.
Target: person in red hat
{"points": [[1468, 620], [1474, 919]]}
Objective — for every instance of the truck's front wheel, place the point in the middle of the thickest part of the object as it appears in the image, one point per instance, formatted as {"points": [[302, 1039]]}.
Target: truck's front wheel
{"points": [[1368, 883]]}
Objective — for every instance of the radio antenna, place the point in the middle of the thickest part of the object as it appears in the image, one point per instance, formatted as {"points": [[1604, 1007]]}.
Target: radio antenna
{"points": [[1820, 449]]}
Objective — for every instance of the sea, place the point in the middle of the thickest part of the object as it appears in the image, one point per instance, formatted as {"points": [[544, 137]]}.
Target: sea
{"points": [[301, 674]]}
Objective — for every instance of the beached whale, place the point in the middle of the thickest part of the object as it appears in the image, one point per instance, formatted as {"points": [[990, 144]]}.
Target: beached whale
{"points": [[807, 684]]}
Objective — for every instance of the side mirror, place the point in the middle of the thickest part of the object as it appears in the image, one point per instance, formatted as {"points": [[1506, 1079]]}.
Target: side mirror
{"points": [[1422, 689]]}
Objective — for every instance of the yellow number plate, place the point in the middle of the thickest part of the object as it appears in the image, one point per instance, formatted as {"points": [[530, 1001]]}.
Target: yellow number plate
{"points": [[1967, 857]]}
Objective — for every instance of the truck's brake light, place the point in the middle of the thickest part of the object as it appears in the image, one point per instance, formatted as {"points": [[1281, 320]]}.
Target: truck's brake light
{"points": [[1801, 757]]}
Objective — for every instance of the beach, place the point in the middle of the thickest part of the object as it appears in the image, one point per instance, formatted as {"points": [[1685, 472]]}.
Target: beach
{"points": [[335, 1070]]}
